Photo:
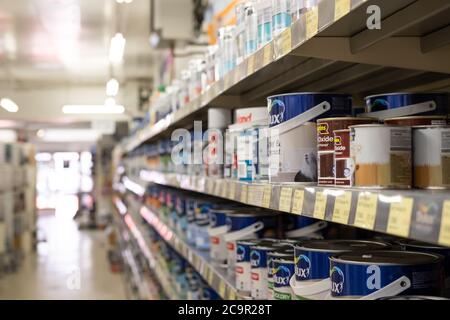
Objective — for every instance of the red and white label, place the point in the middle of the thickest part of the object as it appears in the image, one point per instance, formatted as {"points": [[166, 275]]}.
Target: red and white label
{"points": [[215, 240], [239, 269], [230, 246], [255, 276]]}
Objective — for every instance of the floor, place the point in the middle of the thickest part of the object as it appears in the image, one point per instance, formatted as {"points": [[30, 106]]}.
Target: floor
{"points": [[71, 264]]}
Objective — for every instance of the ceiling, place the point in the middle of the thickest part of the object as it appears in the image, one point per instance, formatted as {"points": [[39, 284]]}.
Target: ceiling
{"points": [[55, 52]]}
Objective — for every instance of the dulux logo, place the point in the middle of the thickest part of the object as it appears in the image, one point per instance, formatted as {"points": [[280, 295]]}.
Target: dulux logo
{"points": [[213, 220], [255, 258], [302, 266], [379, 104], [282, 275], [337, 280], [240, 253], [278, 117]]}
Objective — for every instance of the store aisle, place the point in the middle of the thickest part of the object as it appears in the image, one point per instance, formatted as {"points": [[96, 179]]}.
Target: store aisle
{"points": [[72, 264]]}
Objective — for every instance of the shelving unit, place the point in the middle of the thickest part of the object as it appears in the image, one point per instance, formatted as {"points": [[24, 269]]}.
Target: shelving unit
{"points": [[331, 49]]}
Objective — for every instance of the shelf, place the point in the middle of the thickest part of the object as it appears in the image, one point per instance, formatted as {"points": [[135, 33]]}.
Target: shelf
{"points": [[331, 49], [417, 214], [215, 276]]}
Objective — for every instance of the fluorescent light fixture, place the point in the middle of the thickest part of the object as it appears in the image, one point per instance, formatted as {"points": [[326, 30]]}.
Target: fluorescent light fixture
{"points": [[8, 135], [9, 105], [43, 156], [112, 88], [110, 102], [124, 1], [70, 135], [133, 186], [93, 109], [117, 48]]}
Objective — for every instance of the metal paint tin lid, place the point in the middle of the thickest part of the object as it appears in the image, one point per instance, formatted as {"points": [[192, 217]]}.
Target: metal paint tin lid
{"points": [[413, 298], [433, 126], [380, 125], [247, 242], [420, 245], [341, 245], [416, 117], [383, 257]]}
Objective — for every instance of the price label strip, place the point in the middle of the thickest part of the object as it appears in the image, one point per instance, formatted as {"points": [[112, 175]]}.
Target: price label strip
{"points": [[267, 54], [366, 210], [244, 193], [320, 205], [342, 207], [267, 194], [217, 187], [250, 65], [444, 233], [255, 195], [232, 190], [341, 8], [231, 294], [285, 199], [297, 202], [283, 43], [400, 214], [222, 288], [224, 190], [312, 22], [210, 275]]}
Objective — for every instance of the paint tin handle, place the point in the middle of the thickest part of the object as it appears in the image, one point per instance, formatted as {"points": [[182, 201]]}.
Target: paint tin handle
{"points": [[322, 286], [214, 232], [393, 289], [410, 110], [236, 235], [307, 230]]}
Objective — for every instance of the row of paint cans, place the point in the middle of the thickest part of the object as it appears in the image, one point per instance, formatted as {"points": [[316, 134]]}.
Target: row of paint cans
{"points": [[293, 133], [371, 275], [327, 171], [312, 267], [246, 145]]}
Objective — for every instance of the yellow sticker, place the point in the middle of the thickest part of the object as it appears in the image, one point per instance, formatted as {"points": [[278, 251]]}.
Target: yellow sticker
{"points": [[342, 207], [366, 210], [210, 276], [285, 199], [267, 54], [297, 205], [244, 193], [255, 195], [341, 8], [444, 233], [400, 217], [250, 65], [227, 79], [224, 191], [232, 190], [217, 187], [267, 194], [210, 186], [312, 22], [320, 205], [222, 288], [285, 42], [232, 294]]}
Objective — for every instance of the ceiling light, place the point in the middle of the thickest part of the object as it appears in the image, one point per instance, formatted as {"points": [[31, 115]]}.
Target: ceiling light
{"points": [[112, 88], [117, 48], [124, 1], [40, 133], [93, 109], [9, 105]]}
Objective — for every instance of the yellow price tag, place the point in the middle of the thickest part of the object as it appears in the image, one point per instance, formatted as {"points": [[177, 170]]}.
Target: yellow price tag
{"points": [[250, 65], [366, 210], [210, 186], [232, 190], [222, 288], [224, 191], [342, 207], [341, 8], [312, 22], [320, 205], [267, 194], [217, 185], [255, 195], [285, 199], [244, 193], [400, 217], [444, 233], [267, 54], [297, 204], [210, 276], [232, 294], [285, 41]]}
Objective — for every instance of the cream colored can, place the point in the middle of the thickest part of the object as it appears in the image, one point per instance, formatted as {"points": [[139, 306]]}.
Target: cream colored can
{"points": [[382, 156], [431, 145]]}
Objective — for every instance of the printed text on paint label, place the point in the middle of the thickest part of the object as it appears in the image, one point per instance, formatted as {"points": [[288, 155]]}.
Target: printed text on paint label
{"points": [[285, 199], [341, 8], [444, 233], [312, 22], [320, 205], [342, 207], [244, 193], [400, 217], [366, 210], [297, 205], [266, 196]]}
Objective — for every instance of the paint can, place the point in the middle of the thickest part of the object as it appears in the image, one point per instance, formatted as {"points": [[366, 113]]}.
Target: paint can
{"points": [[382, 156], [409, 103], [343, 162], [243, 266], [283, 271], [325, 144], [271, 257], [293, 133], [417, 121], [312, 265], [431, 145], [217, 229], [407, 298], [374, 274], [247, 224], [202, 235]]}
